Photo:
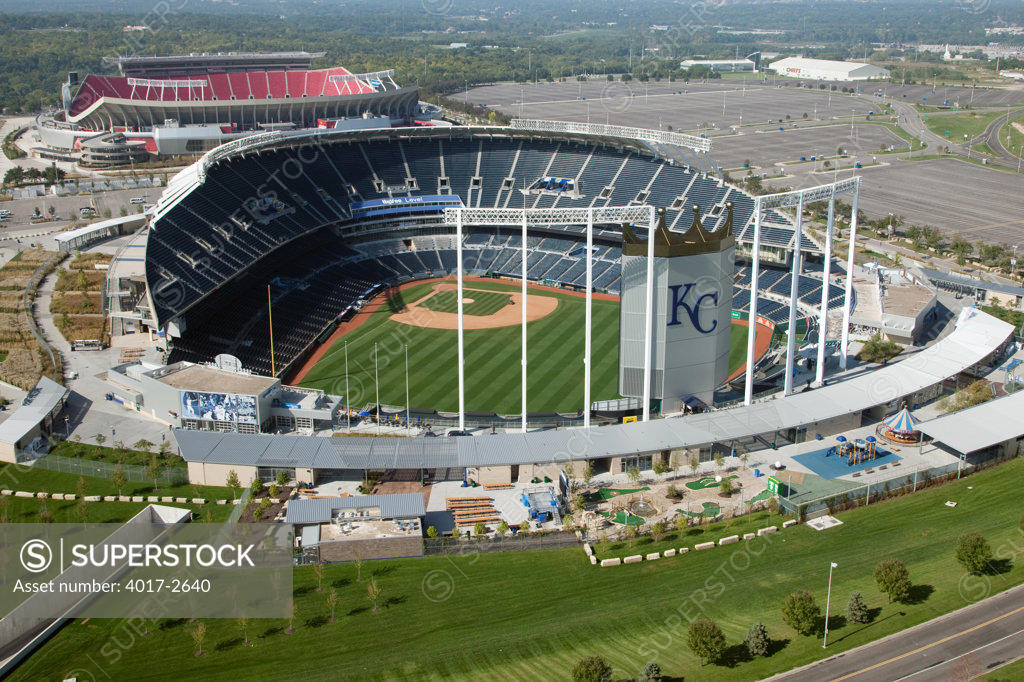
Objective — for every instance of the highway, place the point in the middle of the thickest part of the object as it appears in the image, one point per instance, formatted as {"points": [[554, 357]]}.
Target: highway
{"points": [[958, 645]]}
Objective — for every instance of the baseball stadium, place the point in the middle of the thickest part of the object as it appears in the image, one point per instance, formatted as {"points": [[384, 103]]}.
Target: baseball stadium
{"points": [[348, 231]]}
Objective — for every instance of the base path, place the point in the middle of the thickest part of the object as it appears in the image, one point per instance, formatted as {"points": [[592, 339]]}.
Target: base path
{"points": [[512, 314]]}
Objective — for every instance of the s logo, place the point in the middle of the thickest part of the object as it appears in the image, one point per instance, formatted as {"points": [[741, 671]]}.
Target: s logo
{"points": [[693, 311]]}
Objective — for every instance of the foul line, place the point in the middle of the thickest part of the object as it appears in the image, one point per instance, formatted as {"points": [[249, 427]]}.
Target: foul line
{"points": [[929, 646]]}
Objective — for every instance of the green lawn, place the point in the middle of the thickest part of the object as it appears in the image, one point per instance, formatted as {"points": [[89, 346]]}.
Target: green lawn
{"points": [[1008, 673], [554, 346], [26, 510], [957, 125], [483, 302], [116, 455], [532, 614], [1015, 144], [15, 477]]}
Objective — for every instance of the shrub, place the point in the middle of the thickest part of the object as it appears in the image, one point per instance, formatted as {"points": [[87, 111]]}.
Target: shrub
{"points": [[893, 579], [592, 669], [973, 552], [705, 640], [480, 529], [801, 613], [432, 532], [857, 610], [757, 641], [649, 673]]}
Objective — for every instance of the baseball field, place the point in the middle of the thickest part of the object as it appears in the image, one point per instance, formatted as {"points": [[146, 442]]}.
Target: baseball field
{"points": [[421, 317]]}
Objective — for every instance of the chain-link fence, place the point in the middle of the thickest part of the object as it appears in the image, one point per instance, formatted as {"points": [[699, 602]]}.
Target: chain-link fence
{"points": [[513, 543], [167, 476]]}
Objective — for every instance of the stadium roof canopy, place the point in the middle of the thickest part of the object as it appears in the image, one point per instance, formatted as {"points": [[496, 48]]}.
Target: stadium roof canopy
{"points": [[977, 336], [970, 283], [981, 426]]}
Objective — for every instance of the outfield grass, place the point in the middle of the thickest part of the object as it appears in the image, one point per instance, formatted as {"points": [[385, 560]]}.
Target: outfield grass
{"points": [[554, 348], [555, 359], [531, 614], [483, 302]]}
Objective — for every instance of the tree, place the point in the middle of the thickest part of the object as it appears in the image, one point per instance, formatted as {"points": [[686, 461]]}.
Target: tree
{"points": [[694, 463], [153, 471], [682, 523], [234, 483], [719, 460], [879, 350], [658, 530], [893, 579], [634, 475], [318, 571], [99, 438], [294, 615], [273, 490], [357, 561], [725, 487], [198, 633], [705, 640], [118, 479], [801, 613], [282, 478], [332, 602], [479, 529], [579, 502], [256, 486], [503, 528], [857, 610], [591, 669], [142, 444], [588, 473], [962, 249], [373, 592], [659, 467], [757, 641], [243, 625], [432, 532], [973, 552], [14, 176], [649, 673]]}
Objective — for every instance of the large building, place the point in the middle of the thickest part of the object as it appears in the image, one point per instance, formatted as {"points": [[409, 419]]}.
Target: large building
{"points": [[722, 65], [827, 69], [188, 104]]}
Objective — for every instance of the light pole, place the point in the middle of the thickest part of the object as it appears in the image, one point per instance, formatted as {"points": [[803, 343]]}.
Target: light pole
{"points": [[348, 396], [828, 601]]}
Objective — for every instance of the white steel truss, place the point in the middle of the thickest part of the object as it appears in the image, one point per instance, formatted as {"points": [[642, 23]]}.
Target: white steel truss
{"points": [[523, 218], [800, 198], [383, 77], [699, 144]]}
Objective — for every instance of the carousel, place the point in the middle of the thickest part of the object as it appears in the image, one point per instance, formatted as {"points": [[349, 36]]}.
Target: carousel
{"points": [[901, 428]]}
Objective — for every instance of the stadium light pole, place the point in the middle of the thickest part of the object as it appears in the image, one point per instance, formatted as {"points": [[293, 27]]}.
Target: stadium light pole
{"points": [[826, 273], [848, 298], [795, 279], [348, 396], [458, 296], [828, 601], [376, 384], [586, 330], [649, 318], [748, 390], [523, 312], [406, 386]]}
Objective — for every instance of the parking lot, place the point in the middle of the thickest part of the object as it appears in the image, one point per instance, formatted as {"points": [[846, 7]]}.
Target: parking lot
{"points": [[956, 196], [765, 148]]}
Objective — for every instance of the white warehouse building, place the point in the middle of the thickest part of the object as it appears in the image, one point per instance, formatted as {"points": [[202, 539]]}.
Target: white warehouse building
{"points": [[827, 69]]}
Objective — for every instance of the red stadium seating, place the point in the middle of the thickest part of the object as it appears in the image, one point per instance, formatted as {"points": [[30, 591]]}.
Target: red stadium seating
{"points": [[219, 86]]}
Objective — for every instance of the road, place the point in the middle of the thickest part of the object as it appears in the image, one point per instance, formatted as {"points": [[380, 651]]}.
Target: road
{"points": [[958, 645]]}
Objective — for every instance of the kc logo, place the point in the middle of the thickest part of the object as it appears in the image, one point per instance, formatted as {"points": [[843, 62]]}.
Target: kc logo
{"points": [[679, 301]]}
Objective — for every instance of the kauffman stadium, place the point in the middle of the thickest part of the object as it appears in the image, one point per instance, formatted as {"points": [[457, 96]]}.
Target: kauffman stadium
{"points": [[336, 245]]}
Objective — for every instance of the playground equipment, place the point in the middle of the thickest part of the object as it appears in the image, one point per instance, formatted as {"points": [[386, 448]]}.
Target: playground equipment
{"points": [[860, 451], [541, 504], [902, 427]]}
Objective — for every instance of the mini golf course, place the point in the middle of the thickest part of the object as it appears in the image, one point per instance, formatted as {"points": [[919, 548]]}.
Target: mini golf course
{"points": [[611, 493], [622, 518], [706, 482], [711, 509]]}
